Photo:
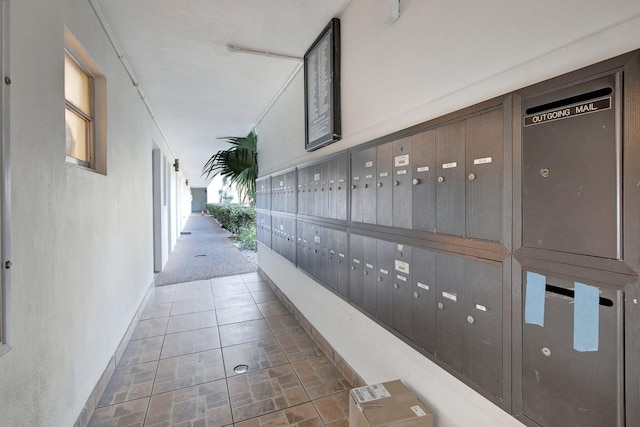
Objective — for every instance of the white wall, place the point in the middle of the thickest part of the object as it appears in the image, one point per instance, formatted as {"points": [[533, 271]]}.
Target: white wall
{"points": [[81, 242], [438, 58]]}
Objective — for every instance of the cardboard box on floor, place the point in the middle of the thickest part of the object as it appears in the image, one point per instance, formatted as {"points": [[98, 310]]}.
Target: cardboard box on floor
{"points": [[386, 404]]}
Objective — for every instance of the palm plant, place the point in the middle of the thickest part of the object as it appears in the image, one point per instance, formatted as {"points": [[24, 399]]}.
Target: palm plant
{"points": [[239, 164]]}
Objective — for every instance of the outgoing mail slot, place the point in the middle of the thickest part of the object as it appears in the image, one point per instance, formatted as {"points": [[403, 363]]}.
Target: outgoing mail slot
{"points": [[571, 169]]}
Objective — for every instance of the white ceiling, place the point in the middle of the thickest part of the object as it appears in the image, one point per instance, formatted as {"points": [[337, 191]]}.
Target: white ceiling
{"points": [[197, 89]]}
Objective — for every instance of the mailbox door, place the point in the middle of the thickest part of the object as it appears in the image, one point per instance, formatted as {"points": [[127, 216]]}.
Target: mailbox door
{"points": [[484, 176], [423, 160], [341, 187], [563, 386], [450, 185], [402, 290], [357, 182], [571, 169], [402, 186], [482, 321], [301, 247], [424, 298], [369, 186], [384, 290], [450, 277], [342, 264], [384, 192], [332, 184], [356, 270], [370, 277], [317, 190], [326, 171]]}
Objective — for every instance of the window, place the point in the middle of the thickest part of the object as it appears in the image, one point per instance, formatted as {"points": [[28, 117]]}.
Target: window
{"points": [[78, 94], [85, 114]]}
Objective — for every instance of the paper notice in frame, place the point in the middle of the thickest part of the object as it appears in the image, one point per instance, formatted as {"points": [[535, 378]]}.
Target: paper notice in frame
{"points": [[322, 88]]}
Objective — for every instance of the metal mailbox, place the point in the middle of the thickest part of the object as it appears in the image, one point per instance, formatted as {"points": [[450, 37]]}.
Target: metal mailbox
{"points": [[450, 181], [424, 300], [562, 385], [484, 176], [370, 283], [356, 270], [571, 172], [368, 184], [384, 281], [450, 278], [342, 260], [402, 290], [423, 166], [383, 182], [357, 180], [402, 183]]}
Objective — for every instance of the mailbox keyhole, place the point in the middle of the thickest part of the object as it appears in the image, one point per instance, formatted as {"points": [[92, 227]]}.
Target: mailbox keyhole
{"points": [[545, 172]]}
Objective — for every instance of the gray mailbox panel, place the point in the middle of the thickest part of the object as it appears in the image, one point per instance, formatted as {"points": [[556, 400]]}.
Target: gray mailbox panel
{"points": [[342, 256], [384, 278], [423, 160], [331, 188], [424, 298], [383, 182], [402, 176], [571, 170], [369, 186], [341, 187], [484, 176], [370, 276], [450, 177], [325, 176], [357, 181], [316, 179], [482, 322], [330, 264], [302, 257], [402, 290], [450, 278], [563, 386], [356, 270]]}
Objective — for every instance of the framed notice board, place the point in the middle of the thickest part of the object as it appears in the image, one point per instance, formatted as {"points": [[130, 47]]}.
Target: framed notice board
{"points": [[322, 88]]}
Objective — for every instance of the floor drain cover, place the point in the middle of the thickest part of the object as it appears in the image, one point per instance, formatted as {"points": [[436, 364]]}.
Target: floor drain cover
{"points": [[240, 369], [199, 256], [185, 233]]}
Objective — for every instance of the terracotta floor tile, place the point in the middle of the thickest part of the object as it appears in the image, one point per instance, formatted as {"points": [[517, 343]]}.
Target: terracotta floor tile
{"points": [[191, 321], [129, 383], [192, 306], [227, 280], [256, 355], [130, 414], [152, 311], [221, 290], [258, 393], [142, 350], [188, 370], [264, 296], [235, 300], [202, 405], [238, 314], [240, 333], [150, 328], [259, 285], [284, 325], [300, 416], [299, 346], [273, 308], [334, 409], [319, 377], [192, 293], [190, 342]]}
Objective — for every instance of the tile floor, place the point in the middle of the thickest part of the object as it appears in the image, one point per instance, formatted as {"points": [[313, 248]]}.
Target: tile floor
{"points": [[178, 369]]}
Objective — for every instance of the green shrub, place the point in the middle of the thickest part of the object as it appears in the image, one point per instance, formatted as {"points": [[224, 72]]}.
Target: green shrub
{"points": [[240, 220], [246, 237]]}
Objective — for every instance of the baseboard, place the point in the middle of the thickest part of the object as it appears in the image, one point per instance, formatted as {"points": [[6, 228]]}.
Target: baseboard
{"points": [[336, 360], [94, 396]]}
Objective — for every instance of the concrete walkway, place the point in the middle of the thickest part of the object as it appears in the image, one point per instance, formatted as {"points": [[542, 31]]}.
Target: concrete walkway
{"points": [[204, 254]]}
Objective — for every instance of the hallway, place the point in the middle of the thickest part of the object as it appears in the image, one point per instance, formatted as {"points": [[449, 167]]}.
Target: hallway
{"points": [[178, 368]]}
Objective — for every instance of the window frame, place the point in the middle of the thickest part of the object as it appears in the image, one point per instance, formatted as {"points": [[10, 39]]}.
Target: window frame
{"points": [[5, 185], [89, 118], [98, 87]]}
